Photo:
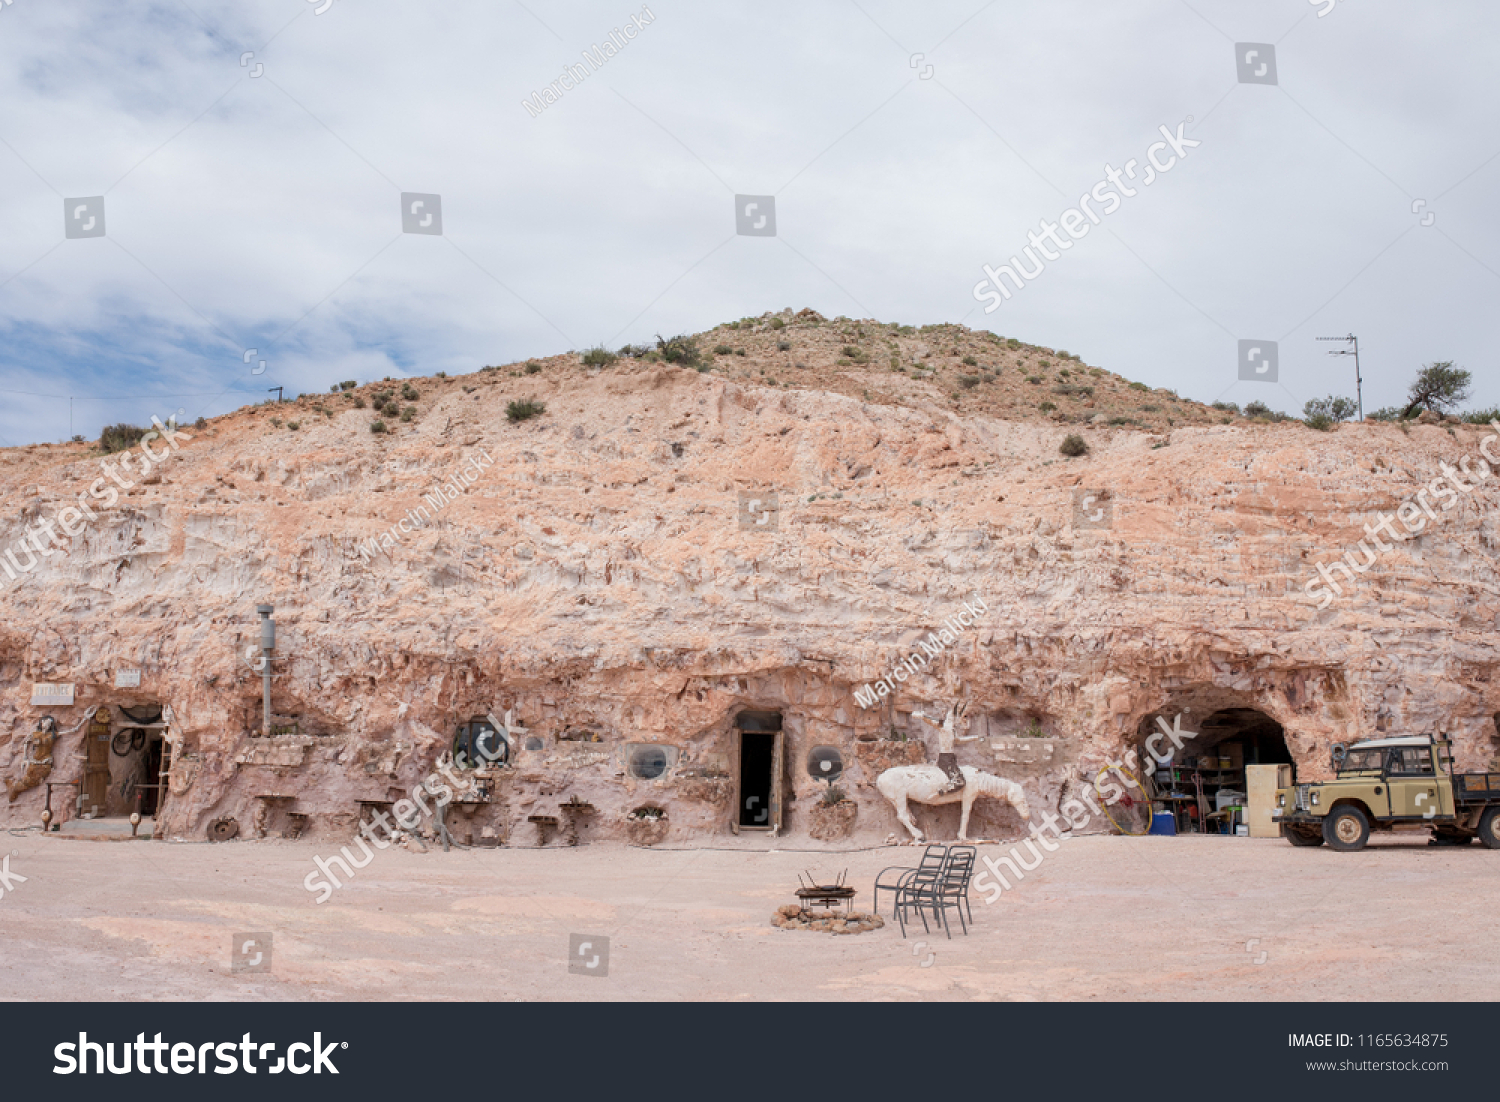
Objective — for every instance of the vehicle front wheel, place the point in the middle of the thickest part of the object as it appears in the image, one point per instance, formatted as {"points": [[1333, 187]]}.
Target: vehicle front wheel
{"points": [[1489, 828], [1346, 829], [1299, 837]]}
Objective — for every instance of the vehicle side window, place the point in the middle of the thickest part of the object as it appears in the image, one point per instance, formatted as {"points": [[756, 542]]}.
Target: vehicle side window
{"points": [[1411, 761]]}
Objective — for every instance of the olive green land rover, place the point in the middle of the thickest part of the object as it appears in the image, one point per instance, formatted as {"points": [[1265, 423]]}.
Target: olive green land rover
{"points": [[1387, 784]]}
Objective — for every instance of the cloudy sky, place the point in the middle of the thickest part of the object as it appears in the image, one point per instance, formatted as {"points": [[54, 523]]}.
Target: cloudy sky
{"points": [[252, 157]]}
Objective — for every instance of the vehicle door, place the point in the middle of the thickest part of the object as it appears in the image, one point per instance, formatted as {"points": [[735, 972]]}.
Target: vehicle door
{"points": [[1416, 789]]}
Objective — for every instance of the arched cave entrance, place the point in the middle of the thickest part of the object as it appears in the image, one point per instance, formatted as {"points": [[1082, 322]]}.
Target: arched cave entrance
{"points": [[1217, 774]]}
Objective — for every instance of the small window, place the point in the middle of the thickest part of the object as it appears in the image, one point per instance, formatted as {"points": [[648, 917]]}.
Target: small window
{"points": [[825, 762], [478, 743]]}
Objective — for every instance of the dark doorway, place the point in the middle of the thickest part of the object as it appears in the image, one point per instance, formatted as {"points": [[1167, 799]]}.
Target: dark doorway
{"points": [[757, 758], [151, 795]]}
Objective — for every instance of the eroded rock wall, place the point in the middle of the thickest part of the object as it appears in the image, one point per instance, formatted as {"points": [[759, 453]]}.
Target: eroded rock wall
{"points": [[598, 579]]}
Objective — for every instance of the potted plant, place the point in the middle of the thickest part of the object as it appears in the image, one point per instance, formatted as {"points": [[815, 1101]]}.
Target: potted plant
{"points": [[833, 816], [647, 825]]}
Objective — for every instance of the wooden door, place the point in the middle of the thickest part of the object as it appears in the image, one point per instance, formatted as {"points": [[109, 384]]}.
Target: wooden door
{"points": [[96, 765], [778, 765]]}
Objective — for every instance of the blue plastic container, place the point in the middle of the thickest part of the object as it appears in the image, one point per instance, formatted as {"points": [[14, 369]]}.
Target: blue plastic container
{"points": [[1163, 822]]}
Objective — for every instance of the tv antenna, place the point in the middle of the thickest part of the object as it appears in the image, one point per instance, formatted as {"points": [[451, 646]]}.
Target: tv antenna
{"points": [[1358, 382], [279, 389]]}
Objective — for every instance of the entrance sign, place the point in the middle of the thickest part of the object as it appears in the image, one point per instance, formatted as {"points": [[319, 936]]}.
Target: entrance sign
{"points": [[51, 694]]}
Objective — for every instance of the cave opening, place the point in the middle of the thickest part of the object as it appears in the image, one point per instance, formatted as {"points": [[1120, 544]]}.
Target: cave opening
{"points": [[1218, 775]]}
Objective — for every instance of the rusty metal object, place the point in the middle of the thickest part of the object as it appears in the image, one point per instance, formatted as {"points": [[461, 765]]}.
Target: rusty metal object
{"points": [[37, 762]]}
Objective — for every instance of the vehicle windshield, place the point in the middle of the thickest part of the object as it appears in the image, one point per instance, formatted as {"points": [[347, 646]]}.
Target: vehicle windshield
{"points": [[1361, 760]]}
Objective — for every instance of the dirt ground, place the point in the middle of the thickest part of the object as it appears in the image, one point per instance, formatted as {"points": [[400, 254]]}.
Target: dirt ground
{"points": [[1102, 918]]}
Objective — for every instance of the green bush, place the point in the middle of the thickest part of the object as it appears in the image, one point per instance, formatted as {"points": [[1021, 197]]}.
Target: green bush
{"points": [[968, 382], [525, 409], [1139, 386], [680, 349], [1320, 421], [1073, 446], [783, 346], [971, 361], [408, 413], [1228, 407], [1047, 407], [442, 374], [1034, 380], [1013, 344], [294, 425], [377, 426], [359, 403], [409, 392], [599, 356], [116, 438], [532, 367], [777, 323], [348, 384], [723, 350], [1331, 409]]}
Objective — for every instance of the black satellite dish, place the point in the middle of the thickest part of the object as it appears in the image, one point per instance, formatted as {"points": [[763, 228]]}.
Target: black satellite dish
{"points": [[825, 762], [648, 762]]}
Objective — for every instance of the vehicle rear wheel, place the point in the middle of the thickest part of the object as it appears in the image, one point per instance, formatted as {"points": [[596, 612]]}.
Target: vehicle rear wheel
{"points": [[1346, 829], [1489, 828], [1300, 837]]}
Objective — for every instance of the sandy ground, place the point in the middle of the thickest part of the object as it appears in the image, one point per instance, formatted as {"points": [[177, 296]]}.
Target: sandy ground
{"points": [[1102, 918]]}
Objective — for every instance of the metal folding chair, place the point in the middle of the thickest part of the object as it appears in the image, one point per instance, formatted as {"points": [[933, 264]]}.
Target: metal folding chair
{"points": [[932, 863], [948, 890]]}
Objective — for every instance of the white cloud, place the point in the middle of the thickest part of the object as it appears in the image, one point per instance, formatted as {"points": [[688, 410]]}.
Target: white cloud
{"points": [[258, 199]]}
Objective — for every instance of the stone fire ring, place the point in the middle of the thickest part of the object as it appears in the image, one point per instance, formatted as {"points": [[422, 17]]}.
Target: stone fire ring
{"points": [[795, 917]]}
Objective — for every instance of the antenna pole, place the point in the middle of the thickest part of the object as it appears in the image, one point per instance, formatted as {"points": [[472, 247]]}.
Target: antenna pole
{"points": [[1359, 383]]}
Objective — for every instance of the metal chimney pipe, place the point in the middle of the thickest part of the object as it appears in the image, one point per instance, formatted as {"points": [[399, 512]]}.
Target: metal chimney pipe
{"points": [[267, 645]]}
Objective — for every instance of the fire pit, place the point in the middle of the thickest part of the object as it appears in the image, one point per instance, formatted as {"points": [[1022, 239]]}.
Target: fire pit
{"points": [[827, 896]]}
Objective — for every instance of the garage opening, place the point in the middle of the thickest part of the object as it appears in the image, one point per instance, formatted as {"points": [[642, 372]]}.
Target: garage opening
{"points": [[760, 753], [1223, 779]]}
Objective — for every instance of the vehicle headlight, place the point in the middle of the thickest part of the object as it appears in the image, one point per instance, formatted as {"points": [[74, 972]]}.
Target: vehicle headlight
{"points": [[1315, 798], [1281, 799]]}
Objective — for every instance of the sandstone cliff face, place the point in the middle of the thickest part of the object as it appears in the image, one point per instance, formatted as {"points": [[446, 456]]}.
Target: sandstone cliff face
{"points": [[595, 579]]}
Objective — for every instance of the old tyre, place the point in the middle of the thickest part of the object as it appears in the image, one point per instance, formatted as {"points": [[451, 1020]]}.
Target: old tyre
{"points": [[222, 830], [1489, 828], [1300, 837], [1346, 829]]}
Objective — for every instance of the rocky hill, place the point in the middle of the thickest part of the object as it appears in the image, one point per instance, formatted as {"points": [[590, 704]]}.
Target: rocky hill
{"points": [[599, 571]]}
